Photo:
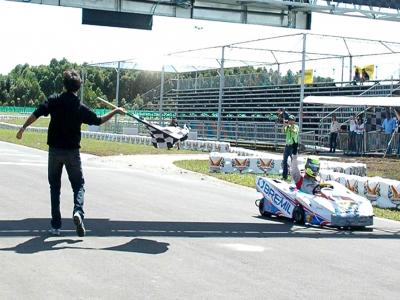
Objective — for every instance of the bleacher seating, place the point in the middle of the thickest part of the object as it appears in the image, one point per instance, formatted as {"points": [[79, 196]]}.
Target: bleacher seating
{"points": [[246, 111]]}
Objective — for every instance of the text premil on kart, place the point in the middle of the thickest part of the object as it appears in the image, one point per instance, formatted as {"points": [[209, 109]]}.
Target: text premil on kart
{"points": [[334, 205]]}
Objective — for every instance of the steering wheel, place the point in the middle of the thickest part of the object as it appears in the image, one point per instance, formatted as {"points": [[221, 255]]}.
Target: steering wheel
{"points": [[317, 189]]}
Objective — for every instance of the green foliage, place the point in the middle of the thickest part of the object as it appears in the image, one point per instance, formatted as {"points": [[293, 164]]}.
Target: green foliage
{"points": [[388, 213], [30, 85]]}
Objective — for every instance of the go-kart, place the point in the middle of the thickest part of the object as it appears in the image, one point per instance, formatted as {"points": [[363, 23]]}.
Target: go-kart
{"points": [[331, 204]]}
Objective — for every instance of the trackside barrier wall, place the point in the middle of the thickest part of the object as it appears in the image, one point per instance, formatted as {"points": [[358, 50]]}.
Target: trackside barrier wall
{"points": [[206, 146], [248, 161], [382, 192]]}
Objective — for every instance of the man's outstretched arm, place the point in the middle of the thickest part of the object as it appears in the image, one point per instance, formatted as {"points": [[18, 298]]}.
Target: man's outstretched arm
{"points": [[32, 118], [111, 114]]}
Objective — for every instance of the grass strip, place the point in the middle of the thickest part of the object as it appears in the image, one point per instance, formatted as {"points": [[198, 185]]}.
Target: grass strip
{"points": [[41, 122], [387, 213], [38, 140]]}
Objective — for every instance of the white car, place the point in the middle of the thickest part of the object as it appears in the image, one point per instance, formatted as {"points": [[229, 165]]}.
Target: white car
{"points": [[332, 204]]}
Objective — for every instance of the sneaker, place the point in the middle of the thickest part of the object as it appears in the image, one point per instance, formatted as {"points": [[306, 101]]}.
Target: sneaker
{"points": [[54, 231], [80, 228]]}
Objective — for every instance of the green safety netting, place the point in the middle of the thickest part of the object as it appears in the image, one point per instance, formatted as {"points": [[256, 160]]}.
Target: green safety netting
{"points": [[14, 109], [148, 114]]}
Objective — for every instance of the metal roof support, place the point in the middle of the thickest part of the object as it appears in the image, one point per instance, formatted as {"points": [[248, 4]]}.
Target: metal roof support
{"points": [[350, 68], [221, 93], [386, 46], [342, 78], [303, 70], [350, 60], [160, 109], [278, 66], [117, 95]]}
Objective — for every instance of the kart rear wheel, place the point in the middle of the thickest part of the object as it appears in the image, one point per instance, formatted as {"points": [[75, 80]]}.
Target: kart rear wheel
{"points": [[261, 209], [298, 215]]}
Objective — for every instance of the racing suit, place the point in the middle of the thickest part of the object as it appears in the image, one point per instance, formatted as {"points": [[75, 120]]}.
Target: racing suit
{"points": [[305, 183]]}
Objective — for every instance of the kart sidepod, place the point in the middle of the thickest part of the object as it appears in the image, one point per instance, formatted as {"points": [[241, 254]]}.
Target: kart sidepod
{"points": [[334, 206]]}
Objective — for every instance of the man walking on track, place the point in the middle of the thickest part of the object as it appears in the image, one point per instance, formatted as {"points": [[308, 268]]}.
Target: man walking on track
{"points": [[291, 131], [63, 137]]}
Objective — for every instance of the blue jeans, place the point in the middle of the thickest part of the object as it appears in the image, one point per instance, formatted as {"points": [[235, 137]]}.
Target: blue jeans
{"points": [[289, 150], [72, 161], [333, 141]]}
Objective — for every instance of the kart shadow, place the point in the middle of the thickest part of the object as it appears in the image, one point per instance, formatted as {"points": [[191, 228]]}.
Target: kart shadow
{"points": [[266, 228], [335, 229]]}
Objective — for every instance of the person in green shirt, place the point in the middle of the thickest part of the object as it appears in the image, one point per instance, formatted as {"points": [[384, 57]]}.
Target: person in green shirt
{"points": [[291, 131]]}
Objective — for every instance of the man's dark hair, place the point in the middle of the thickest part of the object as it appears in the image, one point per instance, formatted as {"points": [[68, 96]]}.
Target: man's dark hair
{"points": [[71, 80]]}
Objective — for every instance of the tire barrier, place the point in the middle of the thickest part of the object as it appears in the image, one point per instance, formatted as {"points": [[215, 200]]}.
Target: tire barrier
{"points": [[270, 164], [382, 192], [195, 145]]}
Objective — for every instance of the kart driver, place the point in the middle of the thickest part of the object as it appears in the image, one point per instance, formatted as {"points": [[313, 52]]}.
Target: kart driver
{"points": [[308, 182]]}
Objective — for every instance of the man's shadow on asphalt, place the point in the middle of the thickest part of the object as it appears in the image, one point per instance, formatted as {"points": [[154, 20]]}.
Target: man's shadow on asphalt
{"points": [[40, 244], [278, 228]]}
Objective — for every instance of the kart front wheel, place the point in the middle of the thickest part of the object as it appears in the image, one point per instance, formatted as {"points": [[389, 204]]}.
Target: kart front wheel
{"points": [[298, 215], [261, 208]]}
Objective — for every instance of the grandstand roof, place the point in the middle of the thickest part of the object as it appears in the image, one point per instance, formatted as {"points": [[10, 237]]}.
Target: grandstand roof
{"points": [[394, 4], [275, 50]]}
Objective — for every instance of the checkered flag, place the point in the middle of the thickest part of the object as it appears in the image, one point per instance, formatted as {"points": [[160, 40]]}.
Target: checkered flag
{"points": [[161, 137], [165, 137]]}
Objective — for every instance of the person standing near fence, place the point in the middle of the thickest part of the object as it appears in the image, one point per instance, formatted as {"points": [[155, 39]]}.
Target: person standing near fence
{"points": [[291, 131], [388, 126], [397, 113], [334, 130], [352, 134], [360, 130], [63, 137]]}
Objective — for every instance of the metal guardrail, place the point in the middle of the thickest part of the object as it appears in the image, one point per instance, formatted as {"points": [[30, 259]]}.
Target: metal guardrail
{"points": [[267, 133], [256, 133], [369, 142]]}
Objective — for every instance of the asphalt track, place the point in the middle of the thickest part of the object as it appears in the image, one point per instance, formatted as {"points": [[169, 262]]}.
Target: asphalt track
{"points": [[159, 233]]}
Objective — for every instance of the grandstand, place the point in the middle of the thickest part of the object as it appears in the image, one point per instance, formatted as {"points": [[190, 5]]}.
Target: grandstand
{"points": [[249, 112], [244, 111]]}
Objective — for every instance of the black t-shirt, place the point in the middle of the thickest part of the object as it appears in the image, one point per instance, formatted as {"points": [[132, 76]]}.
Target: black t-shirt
{"points": [[67, 115]]}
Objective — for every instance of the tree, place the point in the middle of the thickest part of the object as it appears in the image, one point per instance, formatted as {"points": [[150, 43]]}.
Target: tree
{"points": [[138, 102]]}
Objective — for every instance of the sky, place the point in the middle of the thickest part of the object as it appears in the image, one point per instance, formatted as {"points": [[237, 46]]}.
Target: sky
{"points": [[34, 34]]}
